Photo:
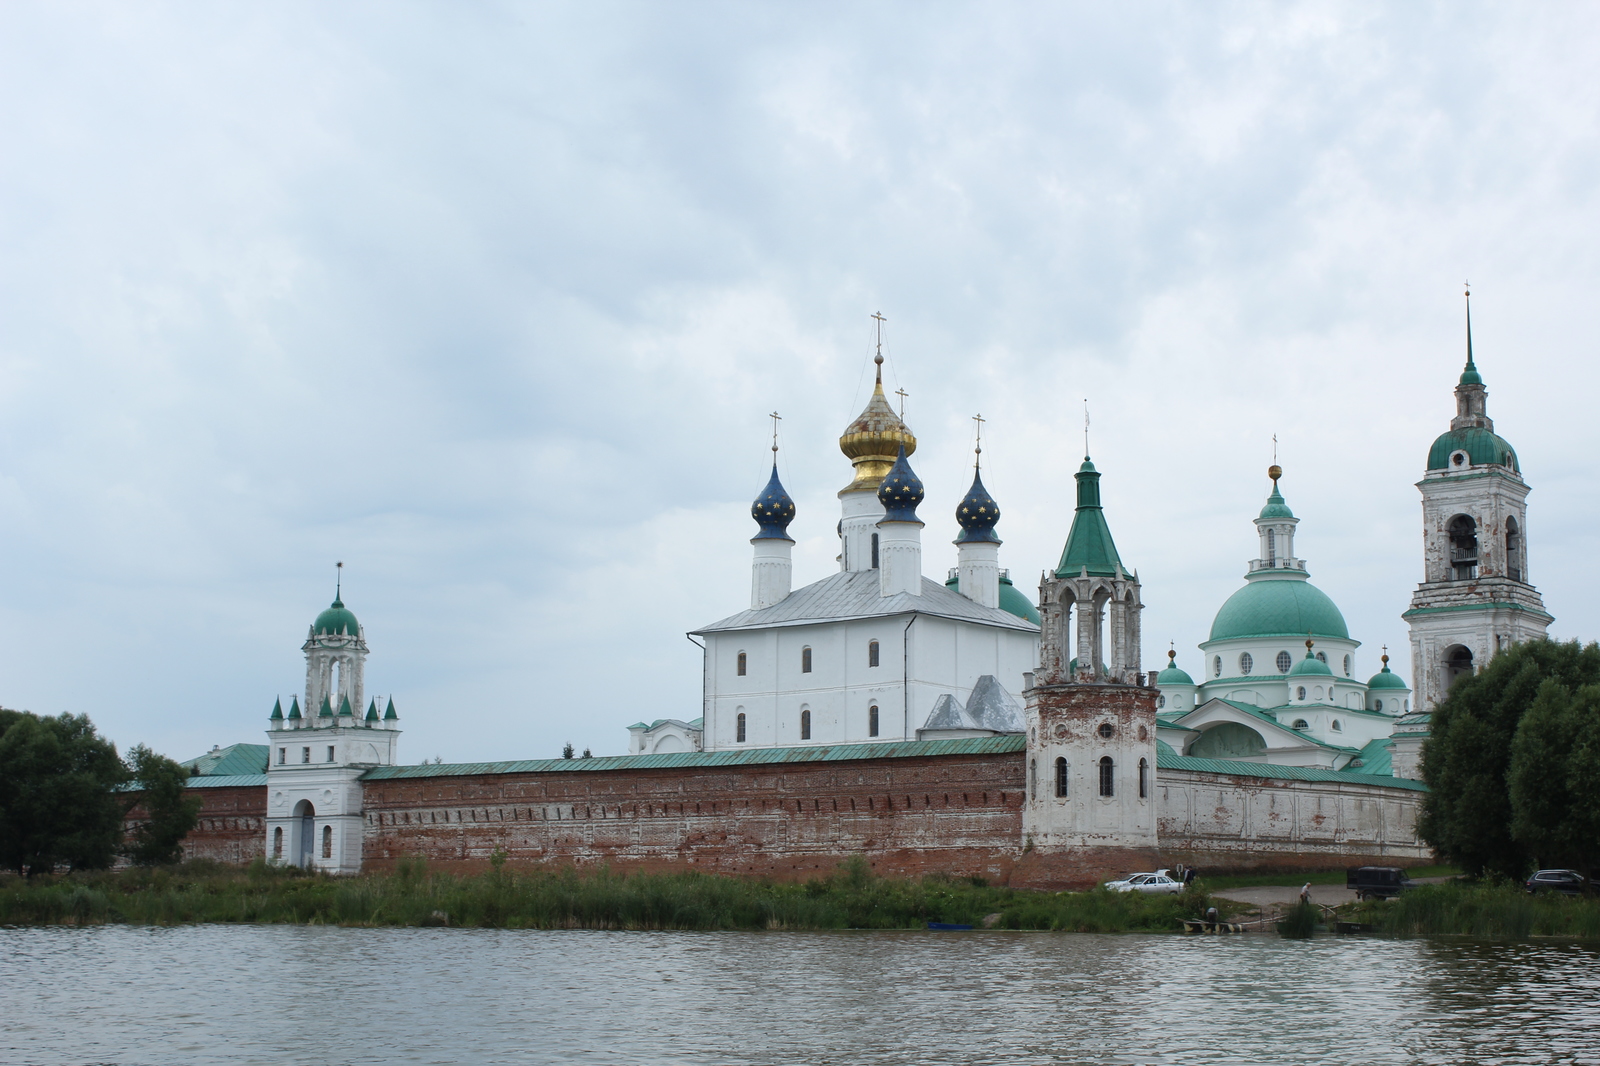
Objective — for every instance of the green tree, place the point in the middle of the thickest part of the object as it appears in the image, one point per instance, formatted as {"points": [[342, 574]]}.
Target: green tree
{"points": [[1467, 813], [58, 805], [1553, 776], [169, 814]]}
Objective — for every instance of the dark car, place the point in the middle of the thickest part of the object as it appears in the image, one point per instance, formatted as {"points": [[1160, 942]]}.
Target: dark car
{"points": [[1568, 882], [1376, 882]]}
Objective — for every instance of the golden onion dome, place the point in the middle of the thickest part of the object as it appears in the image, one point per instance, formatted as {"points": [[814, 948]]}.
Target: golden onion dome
{"points": [[874, 439]]}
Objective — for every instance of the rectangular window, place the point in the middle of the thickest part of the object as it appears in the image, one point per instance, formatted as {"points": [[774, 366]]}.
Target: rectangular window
{"points": [[330, 752], [283, 756], [305, 754], [872, 720], [805, 660]]}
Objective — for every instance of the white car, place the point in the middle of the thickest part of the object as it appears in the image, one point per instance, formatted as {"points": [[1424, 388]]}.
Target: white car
{"points": [[1155, 883]]}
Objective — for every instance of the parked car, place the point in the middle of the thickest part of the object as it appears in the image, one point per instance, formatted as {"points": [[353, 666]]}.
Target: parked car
{"points": [[1567, 882], [1155, 883], [1376, 882]]}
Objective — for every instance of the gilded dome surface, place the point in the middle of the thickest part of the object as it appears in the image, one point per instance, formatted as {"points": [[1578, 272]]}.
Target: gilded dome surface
{"points": [[873, 440]]}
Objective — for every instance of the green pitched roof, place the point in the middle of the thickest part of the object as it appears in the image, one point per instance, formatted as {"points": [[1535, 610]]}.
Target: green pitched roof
{"points": [[277, 710], [1089, 545], [344, 708], [294, 706], [372, 710], [389, 715], [232, 760], [327, 709]]}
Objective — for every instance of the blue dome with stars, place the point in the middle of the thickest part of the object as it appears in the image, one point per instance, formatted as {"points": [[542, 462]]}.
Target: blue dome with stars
{"points": [[977, 513], [773, 510], [900, 491]]}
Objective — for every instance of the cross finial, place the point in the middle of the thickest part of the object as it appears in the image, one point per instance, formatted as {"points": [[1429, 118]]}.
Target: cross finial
{"points": [[338, 579], [775, 416], [902, 393], [977, 443], [1085, 429], [1468, 286], [878, 357]]}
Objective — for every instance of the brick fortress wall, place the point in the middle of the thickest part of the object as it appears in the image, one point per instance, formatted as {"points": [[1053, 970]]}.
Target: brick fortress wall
{"points": [[232, 825]]}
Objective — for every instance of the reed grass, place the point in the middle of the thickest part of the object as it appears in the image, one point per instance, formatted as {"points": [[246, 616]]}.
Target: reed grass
{"points": [[1497, 910], [536, 898]]}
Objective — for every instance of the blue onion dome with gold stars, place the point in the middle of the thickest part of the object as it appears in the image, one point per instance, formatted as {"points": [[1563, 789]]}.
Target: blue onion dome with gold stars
{"points": [[977, 513], [900, 491], [773, 510]]}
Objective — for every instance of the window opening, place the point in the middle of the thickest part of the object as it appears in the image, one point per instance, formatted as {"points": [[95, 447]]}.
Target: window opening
{"points": [[744, 663], [1463, 548], [1337, 727], [1301, 723], [1272, 548], [1107, 787], [805, 660], [277, 842], [805, 725], [1347, 666], [330, 752], [1107, 730], [1246, 664], [1284, 662], [1216, 666], [738, 728], [872, 720], [872, 653], [283, 756], [1300, 693], [327, 842], [874, 551], [1457, 664], [1377, 705], [1513, 550], [1144, 779], [1061, 778], [305, 754], [1322, 657]]}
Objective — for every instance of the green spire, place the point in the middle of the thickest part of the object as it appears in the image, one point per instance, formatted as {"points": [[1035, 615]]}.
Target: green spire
{"points": [[344, 708], [372, 710], [294, 707], [1470, 375], [389, 715], [1089, 545], [327, 709], [277, 710]]}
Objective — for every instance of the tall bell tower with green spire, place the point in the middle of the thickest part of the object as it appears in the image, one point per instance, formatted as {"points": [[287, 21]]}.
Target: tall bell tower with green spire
{"points": [[1476, 597]]}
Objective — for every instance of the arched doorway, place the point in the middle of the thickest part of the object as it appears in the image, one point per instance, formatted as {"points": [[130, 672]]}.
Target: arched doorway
{"points": [[1457, 663], [305, 833]]}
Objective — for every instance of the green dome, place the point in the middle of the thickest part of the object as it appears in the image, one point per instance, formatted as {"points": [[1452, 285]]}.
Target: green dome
{"points": [[1310, 665], [1387, 678], [1483, 447], [1279, 608], [1276, 506], [337, 620], [1012, 600], [1172, 675]]}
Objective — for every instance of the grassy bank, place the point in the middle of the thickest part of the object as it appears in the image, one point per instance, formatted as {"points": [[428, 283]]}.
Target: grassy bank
{"points": [[1486, 910], [563, 899], [1293, 879]]}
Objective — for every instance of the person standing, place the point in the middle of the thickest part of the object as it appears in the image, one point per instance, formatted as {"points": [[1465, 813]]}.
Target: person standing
{"points": [[1305, 893]]}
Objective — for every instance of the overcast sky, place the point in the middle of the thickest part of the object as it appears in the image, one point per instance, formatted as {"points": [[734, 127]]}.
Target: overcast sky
{"points": [[491, 302]]}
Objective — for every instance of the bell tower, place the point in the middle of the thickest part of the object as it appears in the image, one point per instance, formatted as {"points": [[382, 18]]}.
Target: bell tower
{"points": [[1476, 598]]}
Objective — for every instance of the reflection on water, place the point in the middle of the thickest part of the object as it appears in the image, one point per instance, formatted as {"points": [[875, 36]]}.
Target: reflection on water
{"points": [[256, 994]]}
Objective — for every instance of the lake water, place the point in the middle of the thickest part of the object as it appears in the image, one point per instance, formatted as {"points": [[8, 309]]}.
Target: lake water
{"points": [[264, 994]]}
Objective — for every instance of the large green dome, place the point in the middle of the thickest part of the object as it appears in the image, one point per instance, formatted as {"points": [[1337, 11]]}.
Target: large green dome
{"points": [[1483, 447], [337, 620], [1279, 608]]}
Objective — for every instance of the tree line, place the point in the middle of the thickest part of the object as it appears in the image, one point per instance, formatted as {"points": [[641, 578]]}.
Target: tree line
{"points": [[1512, 764], [65, 795]]}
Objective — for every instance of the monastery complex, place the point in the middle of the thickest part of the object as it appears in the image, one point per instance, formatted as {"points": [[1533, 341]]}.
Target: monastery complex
{"points": [[957, 724]]}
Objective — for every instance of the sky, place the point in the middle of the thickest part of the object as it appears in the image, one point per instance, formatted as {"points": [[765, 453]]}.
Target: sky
{"points": [[491, 302]]}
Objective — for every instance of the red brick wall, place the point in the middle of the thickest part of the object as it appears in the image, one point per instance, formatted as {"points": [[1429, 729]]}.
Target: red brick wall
{"points": [[232, 826], [954, 814]]}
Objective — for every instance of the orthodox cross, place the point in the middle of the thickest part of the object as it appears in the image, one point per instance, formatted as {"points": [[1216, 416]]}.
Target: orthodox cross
{"points": [[1086, 427], [902, 393], [775, 416], [977, 444]]}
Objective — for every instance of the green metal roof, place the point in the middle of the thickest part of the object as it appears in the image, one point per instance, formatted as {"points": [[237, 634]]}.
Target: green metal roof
{"points": [[1387, 678], [1276, 506], [1279, 607], [1375, 760], [1310, 665], [1483, 447], [1089, 545], [234, 759], [337, 620], [900, 749], [1239, 768]]}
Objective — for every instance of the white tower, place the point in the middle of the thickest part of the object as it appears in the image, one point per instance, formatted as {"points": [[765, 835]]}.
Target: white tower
{"points": [[1475, 599], [314, 768]]}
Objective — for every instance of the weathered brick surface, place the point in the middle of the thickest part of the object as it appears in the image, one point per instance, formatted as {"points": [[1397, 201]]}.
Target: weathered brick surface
{"points": [[232, 826]]}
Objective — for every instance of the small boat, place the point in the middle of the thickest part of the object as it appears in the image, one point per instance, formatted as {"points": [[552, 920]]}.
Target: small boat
{"points": [[947, 927]]}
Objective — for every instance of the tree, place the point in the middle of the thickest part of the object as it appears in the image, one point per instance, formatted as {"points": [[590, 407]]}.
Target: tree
{"points": [[1467, 814], [58, 804], [1553, 777], [567, 751], [169, 814]]}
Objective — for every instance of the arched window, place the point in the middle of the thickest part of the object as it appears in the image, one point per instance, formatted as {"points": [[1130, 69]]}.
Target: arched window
{"points": [[1322, 657], [1061, 777], [744, 663], [1284, 662], [327, 842], [1272, 548], [1457, 664], [738, 728], [277, 842], [1300, 693], [1107, 775], [1216, 666], [874, 551], [805, 725], [1463, 548], [1337, 726], [872, 720], [1377, 705], [805, 660], [1347, 666], [872, 653], [1301, 723], [1513, 550], [1144, 779], [1246, 664]]}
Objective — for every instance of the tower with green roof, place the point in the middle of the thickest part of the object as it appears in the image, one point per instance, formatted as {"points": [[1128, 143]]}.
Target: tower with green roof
{"points": [[1476, 598], [1090, 602]]}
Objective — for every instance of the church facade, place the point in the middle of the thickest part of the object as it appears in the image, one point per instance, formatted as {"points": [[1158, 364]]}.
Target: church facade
{"points": [[952, 724]]}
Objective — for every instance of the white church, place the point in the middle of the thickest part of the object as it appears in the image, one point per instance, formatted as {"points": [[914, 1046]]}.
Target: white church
{"points": [[879, 652]]}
